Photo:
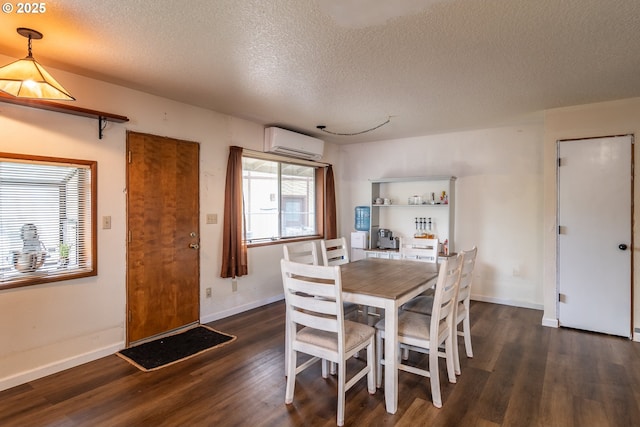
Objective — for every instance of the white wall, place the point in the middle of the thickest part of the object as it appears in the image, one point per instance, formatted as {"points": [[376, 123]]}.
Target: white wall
{"points": [[49, 327], [498, 198]]}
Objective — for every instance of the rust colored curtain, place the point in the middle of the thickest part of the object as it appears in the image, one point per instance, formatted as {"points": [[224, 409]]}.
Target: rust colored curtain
{"points": [[234, 248], [331, 230]]}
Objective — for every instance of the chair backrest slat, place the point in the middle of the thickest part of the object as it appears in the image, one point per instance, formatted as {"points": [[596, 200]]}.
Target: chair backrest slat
{"points": [[466, 275], [445, 296], [425, 250], [303, 252], [313, 296], [335, 251]]}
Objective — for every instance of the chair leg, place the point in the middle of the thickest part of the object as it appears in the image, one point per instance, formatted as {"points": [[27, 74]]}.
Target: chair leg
{"points": [[449, 357], [405, 353], [466, 327], [434, 377], [456, 351], [291, 376], [371, 363], [325, 368], [378, 359], [341, 392], [332, 368]]}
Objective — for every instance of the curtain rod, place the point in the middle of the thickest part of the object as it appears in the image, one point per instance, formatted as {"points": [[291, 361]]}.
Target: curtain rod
{"points": [[278, 157]]}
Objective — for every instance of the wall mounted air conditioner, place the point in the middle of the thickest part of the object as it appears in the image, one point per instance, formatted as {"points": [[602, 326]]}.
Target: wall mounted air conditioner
{"points": [[288, 143]]}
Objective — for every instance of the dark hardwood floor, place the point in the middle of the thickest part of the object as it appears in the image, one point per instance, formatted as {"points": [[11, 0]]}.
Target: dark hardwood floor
{"points": [[523, 374]]}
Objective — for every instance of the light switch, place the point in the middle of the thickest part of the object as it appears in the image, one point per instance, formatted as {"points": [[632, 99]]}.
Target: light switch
{"points": [[212, 218], [106, 222]]}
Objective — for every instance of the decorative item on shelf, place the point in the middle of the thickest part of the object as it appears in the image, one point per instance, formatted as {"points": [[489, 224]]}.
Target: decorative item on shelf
{"points": [[33, 252], [63, 260], [425, 229], [25, 78], [431, 230], [415, 200], [378, 201], [444, 198]]}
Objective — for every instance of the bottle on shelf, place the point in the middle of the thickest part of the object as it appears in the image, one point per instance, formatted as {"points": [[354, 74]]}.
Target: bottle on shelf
{"points": [[431, 230]]}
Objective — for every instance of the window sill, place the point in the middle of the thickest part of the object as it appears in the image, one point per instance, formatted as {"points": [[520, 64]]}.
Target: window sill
{"points": [[283, 241]]}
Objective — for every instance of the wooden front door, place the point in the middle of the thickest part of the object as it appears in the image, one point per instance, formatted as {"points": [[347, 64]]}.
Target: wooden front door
{"points": [[163, 267]]}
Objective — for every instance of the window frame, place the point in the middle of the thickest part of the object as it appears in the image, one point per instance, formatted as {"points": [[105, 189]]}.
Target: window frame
{"points": [[92, 166], [320, 190]]}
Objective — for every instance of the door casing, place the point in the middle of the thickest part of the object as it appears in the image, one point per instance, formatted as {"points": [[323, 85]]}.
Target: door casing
{"points": [[595, 216], [163, 262]]}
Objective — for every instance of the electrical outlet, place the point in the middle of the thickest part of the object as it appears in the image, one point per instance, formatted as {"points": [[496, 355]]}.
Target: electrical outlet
{"points": [[106, 222], [207, 292], [234, 285]]}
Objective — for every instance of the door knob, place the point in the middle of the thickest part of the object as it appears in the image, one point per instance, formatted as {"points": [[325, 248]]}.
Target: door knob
{"points": [[622, 246], [194, 246]]}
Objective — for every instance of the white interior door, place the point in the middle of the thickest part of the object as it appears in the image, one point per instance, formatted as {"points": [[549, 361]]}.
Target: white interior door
{"points": [[594, 237]]}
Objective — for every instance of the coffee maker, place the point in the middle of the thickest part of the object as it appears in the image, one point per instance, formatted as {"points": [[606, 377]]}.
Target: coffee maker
{"points": [[386, 239]]}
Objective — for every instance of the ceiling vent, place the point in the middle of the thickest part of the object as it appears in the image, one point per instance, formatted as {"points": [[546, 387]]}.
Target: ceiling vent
{"points": [[292, 144]]}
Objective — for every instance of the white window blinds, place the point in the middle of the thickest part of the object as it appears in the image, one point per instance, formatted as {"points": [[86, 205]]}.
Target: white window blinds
{"points": [[47, 222]]}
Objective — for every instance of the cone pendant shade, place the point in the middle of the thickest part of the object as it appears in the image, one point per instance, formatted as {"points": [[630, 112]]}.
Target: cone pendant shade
{"points": [[25, 78]]}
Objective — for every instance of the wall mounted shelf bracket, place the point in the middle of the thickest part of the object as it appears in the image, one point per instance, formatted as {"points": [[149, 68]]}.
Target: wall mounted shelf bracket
{"points": [[58, 107]]}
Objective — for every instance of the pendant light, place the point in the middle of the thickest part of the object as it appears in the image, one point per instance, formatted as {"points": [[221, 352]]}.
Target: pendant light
{"points": [[25, 78]]}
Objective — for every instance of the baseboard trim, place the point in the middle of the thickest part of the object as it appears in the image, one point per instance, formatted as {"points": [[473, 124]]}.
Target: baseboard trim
{"points": [[551, 323], [240, 309], [60, 365], [514, 303]]}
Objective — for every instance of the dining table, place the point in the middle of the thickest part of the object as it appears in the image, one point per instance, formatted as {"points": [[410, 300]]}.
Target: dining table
{"points": [[387, 284]]}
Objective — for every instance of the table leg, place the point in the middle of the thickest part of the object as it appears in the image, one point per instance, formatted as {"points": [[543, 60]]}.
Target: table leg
{"points": [[391, 356]]}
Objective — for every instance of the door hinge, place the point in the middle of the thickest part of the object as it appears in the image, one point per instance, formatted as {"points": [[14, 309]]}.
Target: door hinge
{"points": [[130, 156], [559, 161], [562, 229], [562, 297], [129, 237], [129, 316]]}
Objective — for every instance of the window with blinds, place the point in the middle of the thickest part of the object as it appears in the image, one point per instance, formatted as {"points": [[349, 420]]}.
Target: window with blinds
{"points": [[279, 199], [47, 219]]}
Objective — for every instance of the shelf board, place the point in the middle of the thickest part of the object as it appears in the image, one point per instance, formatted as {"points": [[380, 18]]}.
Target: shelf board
{"points": [[437, 205], [66, 109], [414, 178]]}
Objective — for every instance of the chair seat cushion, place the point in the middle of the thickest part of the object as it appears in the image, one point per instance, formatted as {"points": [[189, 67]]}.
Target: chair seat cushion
{"points": [[411, 325], [354, 334], [420, 304]]}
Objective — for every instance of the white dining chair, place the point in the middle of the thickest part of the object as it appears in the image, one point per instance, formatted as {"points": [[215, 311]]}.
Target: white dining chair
{"points": [[307, 253], [302, 252], [316, 326], [423, 304], [425, 250], [426, 334], [334, 251]]}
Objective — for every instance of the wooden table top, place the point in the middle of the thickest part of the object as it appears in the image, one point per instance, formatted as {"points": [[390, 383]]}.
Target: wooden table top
{"points": [[386, 278]]}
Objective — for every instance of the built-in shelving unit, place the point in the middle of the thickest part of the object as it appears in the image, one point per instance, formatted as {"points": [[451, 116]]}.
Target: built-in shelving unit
{"points": [[399, 216]]}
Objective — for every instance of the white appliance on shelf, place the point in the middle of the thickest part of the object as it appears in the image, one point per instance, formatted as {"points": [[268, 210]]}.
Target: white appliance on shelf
{"points": [[359, 243]]}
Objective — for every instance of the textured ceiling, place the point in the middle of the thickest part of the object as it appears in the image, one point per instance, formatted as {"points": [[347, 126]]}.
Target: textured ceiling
{"points": [[432, 65]]}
